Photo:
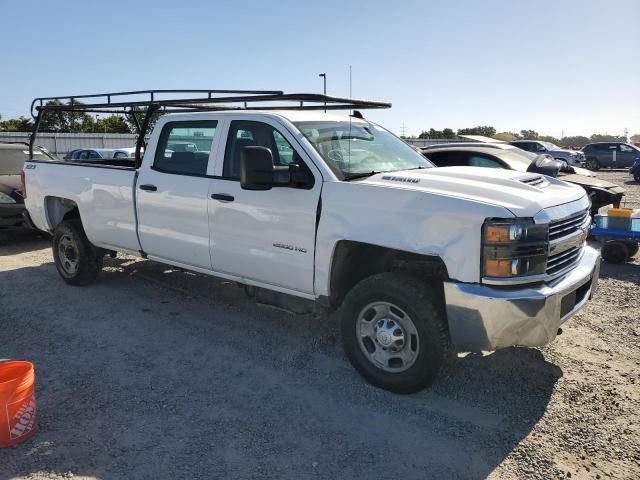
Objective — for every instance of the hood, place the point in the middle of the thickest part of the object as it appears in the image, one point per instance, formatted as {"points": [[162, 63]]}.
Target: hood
{"points": [[524, 194]]}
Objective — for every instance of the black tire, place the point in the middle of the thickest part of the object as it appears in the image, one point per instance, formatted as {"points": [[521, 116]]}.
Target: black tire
{"points": [[427, 318], [636, 177], [72, 247], [592, 164], [632, 248], [615, 251]]}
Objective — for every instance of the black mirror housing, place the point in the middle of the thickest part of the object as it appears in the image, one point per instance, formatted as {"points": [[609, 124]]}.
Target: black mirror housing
{"points": [[256, 168]]}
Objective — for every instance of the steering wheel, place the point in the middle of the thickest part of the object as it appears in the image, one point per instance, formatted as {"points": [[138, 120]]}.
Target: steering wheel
{"points": [[336, 154]]}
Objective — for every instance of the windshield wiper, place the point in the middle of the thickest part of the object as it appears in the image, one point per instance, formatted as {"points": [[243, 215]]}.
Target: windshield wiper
{"points": [[353, 176]]}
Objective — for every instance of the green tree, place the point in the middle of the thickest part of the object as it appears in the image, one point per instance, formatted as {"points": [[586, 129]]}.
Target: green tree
{"points": [[529, 134], [57, 121], [486, 131], [549, 138], [507, 136], [112, 124], [448, 133], [21, 124], [599, 137], [578, 141]]}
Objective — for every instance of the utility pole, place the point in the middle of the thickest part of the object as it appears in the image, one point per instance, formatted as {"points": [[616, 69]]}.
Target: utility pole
{"points": [[350, 82], [403, 130], [324, 81], [626, 134]]}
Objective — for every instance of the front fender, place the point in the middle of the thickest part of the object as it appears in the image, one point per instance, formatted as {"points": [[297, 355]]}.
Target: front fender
{"points": [[407, 220]]}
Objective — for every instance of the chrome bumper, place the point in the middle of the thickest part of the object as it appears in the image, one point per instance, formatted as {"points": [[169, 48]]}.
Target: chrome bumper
{"points": [[487, 318]]}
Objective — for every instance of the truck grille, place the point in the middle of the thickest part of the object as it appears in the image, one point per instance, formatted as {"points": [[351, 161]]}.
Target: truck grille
{"points": [[567, 226], [563, 260]]}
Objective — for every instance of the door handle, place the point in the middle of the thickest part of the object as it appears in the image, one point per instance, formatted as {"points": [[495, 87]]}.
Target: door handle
{"points": [[223, 197], [148, 188]]}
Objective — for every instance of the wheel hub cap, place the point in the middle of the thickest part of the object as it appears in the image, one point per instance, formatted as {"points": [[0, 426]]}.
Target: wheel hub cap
{"points": [[387, 336]]}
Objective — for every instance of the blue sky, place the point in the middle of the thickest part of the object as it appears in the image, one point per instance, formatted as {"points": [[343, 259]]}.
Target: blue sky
{"points": [[548, 65]]}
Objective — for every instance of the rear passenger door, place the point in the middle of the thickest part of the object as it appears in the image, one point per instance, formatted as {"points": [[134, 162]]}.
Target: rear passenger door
{"points": [[172, 196]]}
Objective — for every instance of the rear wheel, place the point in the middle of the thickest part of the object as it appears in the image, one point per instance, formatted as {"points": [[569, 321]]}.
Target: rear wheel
{"points": [[78, 262], [615, 251], [592, 164], [394, 332]]}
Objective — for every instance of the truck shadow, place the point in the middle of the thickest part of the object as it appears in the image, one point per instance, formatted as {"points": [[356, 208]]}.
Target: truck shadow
{"points": [[624, 272], [140, 381], [13, 241]]}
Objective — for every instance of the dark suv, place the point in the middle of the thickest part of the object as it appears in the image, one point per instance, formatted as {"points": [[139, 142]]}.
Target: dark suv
{"points": [[610, 154]]}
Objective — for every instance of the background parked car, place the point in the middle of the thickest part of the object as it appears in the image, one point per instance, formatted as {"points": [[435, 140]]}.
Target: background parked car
{"points": [[610, 154], [12, 158], [635, 170], [501, 155], [571, 157], [97, 154]]}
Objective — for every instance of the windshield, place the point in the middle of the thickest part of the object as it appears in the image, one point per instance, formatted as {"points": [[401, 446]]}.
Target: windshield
{"points": [[550, 146], [358, 148]]}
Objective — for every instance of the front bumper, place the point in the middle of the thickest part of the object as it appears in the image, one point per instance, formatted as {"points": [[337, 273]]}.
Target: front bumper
{"points": [[488, 318]]}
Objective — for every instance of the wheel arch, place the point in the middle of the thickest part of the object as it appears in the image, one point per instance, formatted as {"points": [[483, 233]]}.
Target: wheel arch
{"points": [[59, 209], [353, 261]]}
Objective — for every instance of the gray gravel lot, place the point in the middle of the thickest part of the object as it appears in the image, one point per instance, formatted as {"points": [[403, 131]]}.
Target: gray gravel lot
{"points": [[158, 373]]}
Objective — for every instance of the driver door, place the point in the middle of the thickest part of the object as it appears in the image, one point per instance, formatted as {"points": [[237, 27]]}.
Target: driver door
{"points": [[264, 236]]}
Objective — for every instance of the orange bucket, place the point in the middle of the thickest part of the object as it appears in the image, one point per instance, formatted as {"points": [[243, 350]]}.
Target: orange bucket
{"points": [[17, 402]]}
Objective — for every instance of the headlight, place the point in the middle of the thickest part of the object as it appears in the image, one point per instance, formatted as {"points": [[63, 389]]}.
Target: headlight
{"points": [[4, 198], [513, 248]]}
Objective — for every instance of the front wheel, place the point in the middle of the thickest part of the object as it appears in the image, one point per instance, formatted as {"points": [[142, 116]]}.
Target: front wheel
{"points": [[77, 260], [394, 332], [615, 251]]}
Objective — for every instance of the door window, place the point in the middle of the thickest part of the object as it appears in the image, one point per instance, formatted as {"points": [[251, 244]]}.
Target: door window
{"points": [[482, 161], [184, 147], [245, 133], [94, 154]]}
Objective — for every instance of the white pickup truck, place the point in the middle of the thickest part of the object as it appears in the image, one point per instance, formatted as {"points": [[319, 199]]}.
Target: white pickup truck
{"points": [[308, 208]]}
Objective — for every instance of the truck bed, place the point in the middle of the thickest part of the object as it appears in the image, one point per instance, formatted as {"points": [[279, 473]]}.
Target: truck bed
{"points": [[103, 192]]}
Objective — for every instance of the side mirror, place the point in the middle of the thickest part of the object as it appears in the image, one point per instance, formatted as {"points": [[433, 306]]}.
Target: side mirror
{"points": [[256, 168], [545, 165]]}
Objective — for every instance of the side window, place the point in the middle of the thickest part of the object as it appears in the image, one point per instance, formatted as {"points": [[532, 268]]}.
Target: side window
{"points": [[626, 148], [94, 154], [285, 152], [120, 155], [184, 147], [245, 133], [447, 158], [83, 155], [482, 161]]}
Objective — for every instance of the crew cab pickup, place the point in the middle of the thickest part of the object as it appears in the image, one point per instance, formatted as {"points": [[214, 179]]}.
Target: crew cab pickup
{"points": [[316, 209]]}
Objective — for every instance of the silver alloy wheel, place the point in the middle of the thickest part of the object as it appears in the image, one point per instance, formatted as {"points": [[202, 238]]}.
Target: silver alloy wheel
{"points": [[387, 336], [68, 254]]}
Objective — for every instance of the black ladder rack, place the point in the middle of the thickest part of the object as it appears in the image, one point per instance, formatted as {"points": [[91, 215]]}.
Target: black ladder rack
{"points": [[149, 102]]}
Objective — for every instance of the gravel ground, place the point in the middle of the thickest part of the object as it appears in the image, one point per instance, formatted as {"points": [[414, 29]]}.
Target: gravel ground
{"points": [[158, 373]]}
